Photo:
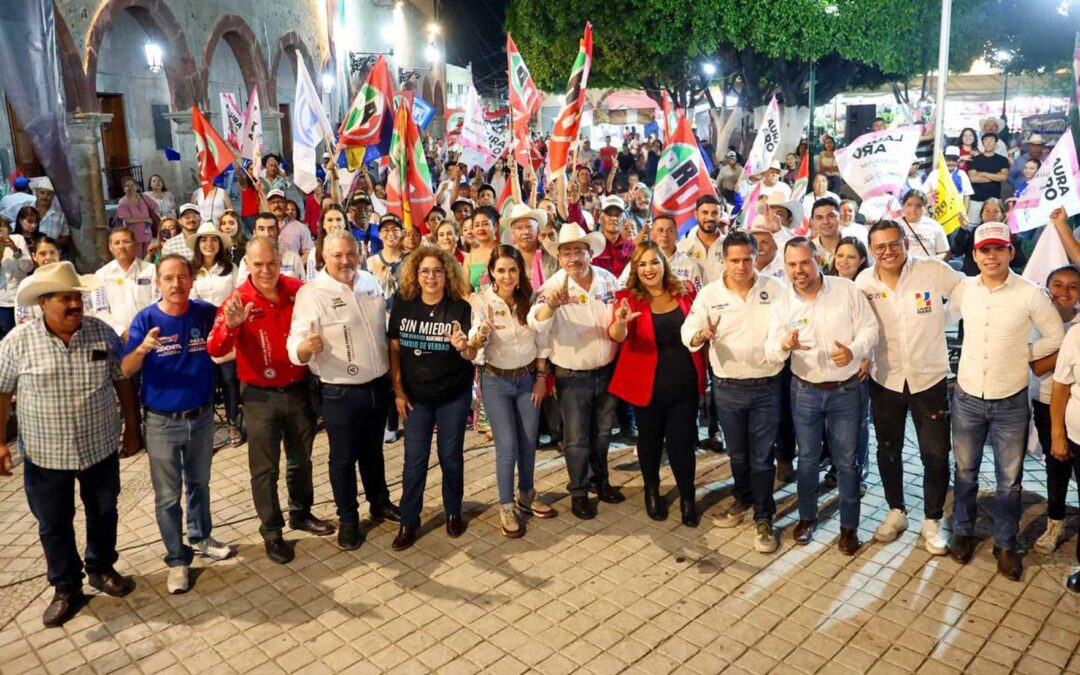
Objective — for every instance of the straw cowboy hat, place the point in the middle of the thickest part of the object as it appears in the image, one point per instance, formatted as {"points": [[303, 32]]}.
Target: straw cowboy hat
{"points": [[58, 277], [793, 207], [522, 211], [42, 183], [208, 229], [571, 233]]}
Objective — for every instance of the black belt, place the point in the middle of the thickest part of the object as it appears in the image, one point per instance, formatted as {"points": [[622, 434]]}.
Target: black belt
{"points": [[512, 372], [183, 414], [570, 372], [280, 390], [747, 381], [830, 386]]}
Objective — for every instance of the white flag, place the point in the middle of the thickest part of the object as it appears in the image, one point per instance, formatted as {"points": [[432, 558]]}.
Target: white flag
{"points": [[1055, 185], [767, 141], [878, 163], [309, 128], [251, 141], [1048, 255], [474, 134], [230, 113]]}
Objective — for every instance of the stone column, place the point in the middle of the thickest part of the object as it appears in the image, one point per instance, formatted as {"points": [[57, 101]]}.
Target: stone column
{"points": [[91, 240]]}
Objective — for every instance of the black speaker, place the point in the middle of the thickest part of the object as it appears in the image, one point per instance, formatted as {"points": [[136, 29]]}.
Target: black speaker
{"points": [[860, 120]]}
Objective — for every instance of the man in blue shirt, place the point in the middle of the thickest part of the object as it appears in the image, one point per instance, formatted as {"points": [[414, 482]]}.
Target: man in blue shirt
{"points": [[167, 341]]}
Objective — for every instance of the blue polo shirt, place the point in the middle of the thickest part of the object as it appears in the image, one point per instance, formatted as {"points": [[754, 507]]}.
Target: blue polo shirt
{"points": [[180, 375]]}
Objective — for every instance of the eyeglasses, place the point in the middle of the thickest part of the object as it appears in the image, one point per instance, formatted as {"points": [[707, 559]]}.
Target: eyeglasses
{"points": [[894, 246], [437, 272]]}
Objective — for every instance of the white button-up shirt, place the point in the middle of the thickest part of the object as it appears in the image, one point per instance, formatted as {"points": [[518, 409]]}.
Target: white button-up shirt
{"points": [[212, 286], [775, 268], [511, 345], [578, 330], [682, 266], [1067, 371], [15, 267], [738, 351], [997, 326], [711, 258], [839, 313], [1041, 388], [123, 294], [911, 323], [352, 323]]}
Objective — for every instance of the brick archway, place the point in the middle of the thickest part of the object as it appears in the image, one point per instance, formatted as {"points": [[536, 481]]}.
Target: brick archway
{"points": [[158, 21], [78, 96], [245, 47], [289, 42]]}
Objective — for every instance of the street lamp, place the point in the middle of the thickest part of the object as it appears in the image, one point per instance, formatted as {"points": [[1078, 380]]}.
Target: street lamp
{"points": [[431, 53], [154, 57], [1003, 57], [708, 68]]}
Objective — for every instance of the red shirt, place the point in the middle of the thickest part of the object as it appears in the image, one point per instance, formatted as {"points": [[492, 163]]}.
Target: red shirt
{"points": [[607, 157], [249, 202], [261, 357], [616, 255], [312, 213]]}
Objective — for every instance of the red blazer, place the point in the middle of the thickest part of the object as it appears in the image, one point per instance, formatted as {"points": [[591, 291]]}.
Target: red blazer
{"points": [[635, 369]]}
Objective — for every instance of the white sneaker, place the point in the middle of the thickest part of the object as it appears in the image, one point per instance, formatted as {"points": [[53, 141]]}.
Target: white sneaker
{"points": [[895, 522], [389, 436], [213, 549], [179, 579], [937, 542], [1048, 542]]}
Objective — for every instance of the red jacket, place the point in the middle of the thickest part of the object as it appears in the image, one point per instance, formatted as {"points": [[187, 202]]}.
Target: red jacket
{"points": [[261, 357], [635, 369]]}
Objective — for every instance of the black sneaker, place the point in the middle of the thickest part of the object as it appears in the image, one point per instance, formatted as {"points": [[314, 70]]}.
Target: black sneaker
{"points": [[349, 536], [279, 551]]}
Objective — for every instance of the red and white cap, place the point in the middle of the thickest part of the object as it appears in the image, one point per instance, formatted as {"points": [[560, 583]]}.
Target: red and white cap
{"points": [[992, 234]]}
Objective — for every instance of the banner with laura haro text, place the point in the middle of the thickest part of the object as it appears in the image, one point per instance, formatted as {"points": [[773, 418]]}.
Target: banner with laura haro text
{"points": [[878, 163], [766, 142], [1055, 185], [232, 121]]}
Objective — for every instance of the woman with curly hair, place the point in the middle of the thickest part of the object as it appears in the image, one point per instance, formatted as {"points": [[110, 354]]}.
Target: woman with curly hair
{"points": [[432, 373]]}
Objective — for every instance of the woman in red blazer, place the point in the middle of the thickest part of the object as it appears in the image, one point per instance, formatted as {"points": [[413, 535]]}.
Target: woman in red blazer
{"points": [[658, 375]]}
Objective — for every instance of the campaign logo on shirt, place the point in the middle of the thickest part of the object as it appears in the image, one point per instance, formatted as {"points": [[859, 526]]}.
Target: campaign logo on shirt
{"points": [[196, 342], [799, 324], [874, 297], [607, 297], [923, 303], [141, 281], [336, 303], [764, 297], [720, 306]]}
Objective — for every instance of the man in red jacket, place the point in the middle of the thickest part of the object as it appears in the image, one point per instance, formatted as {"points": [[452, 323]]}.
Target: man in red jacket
{"points": [[255, 321]]}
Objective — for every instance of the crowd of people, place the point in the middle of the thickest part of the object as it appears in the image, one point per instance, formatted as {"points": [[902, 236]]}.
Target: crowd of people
{"points": [[574, 313]]}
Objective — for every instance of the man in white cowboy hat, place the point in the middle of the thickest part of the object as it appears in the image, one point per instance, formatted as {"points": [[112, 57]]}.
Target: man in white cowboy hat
{"points": [[292, 234], [703, 242], [768, 262], [993, 125], [190, 219], [771, 183], [523, 225], [52, 222], [782, 217], [65, 368], [1036, 149], [127, 284], [617, 248], [167, 342], [574, 308]]}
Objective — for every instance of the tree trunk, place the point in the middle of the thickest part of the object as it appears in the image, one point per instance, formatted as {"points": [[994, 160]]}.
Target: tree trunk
{"points": [[725, 127]]}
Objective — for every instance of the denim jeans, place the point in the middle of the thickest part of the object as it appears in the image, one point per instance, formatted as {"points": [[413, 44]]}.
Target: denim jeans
{"points": [[748, 413], [225, 377], [180, 452], [588, 412], [514, 424], [1004, 422], [51, 495], [838, 414], [355, 417], [420, 425]]}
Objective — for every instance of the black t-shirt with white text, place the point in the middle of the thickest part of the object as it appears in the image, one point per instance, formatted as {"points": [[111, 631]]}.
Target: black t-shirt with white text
{"points": [[991, 164], [432, 370]]}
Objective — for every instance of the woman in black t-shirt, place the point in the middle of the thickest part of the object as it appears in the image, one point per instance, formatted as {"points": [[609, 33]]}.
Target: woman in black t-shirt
{"points": [[432, 373]]}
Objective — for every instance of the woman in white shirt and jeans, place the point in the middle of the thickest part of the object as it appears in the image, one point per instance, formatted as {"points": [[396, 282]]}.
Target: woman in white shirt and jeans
{"points": [[16, 265]]}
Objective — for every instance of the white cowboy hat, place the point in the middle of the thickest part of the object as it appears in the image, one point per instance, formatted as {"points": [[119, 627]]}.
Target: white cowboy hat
{"points": [[42, 183], [521, 211], [984, 121], [58, 277], [208, 229], [1035, 139], [758, 225], [571, 233], [793, 207]]}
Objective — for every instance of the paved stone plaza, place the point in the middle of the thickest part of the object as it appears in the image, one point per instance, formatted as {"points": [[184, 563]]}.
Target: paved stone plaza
{"points": [[617, 594]]}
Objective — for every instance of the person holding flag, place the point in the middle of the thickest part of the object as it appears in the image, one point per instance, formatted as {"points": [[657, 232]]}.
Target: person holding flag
{"points": [[936, 188], [567, 124]]}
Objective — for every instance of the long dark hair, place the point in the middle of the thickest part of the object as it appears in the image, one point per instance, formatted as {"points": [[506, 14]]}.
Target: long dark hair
{"points": [[524, 291], [859, 247], [220, 258], [669, 281], [322, 232], [26, 212]]}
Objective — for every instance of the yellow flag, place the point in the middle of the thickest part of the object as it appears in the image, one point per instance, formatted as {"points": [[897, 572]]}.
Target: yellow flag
{"points": [[354, 156], [949, 205]]}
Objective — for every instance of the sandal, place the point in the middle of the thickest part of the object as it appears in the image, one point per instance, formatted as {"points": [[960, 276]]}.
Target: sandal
{"points": [[235, 441]]}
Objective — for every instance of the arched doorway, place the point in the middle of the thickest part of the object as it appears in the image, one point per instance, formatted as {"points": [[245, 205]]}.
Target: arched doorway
{"points": [[233, 62]]}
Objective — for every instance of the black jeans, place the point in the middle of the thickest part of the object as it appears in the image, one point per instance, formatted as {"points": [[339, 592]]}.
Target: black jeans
{"points": [[930, 412], [588, 413], [355, 418], [1074, 450], [785, 432], [51, 495], [1057, 471], [274, 416], [225, 376], [670, 422]]}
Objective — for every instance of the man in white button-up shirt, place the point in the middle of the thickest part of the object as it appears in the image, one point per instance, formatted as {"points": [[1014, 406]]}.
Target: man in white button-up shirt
{"points": [[574, 309], [339, 330], [909, 372], [828, 328], [999, 309], [732, 314], [127, 284], [703, 242]]}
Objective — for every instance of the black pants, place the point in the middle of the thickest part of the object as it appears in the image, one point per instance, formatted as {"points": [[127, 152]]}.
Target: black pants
{"points": [[1074, 450], [51, 495], [930, 412], [275, 416], [785, 435], [672, 423], [355, 418], [1057, 471]]}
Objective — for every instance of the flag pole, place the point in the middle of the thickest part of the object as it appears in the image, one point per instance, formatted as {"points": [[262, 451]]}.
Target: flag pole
{"points": [[943, 76]]}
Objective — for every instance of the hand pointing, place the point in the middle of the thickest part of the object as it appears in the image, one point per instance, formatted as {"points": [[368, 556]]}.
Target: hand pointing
{"points": [[150, 343]]}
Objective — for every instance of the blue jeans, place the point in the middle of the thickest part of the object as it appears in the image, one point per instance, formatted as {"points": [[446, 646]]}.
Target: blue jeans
{"points": [[748, 413], [1005, 422], [180, 452], [837, 413], [514, 424], [420, 424], [588, 413], [862, 446], [355, 418]]}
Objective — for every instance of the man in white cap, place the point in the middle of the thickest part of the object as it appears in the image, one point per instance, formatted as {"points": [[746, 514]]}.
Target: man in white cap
{"points": [[52, 222], [705, 240], [65, 370], [292, 234], [987, 172], [574, 308], [727, 179], [1036, 149], [617, 248], [190, 219], [127, 284], [990, 402], [771, 183]]}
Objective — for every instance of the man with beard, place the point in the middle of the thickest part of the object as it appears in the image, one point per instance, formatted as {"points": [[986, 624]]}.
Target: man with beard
{"points": [[189, 218], [705, 240], [292, 235]]}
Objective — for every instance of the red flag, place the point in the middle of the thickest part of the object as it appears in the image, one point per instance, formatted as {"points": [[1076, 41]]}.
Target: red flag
{"points": [[568, 123], [524, 97], [507, 195], [681, 177], [408, 183], [214, 153], [369, 119], [671, 118]]}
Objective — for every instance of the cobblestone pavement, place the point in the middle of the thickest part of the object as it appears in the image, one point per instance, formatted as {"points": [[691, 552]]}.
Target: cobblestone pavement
{"points": [[620, 593]]}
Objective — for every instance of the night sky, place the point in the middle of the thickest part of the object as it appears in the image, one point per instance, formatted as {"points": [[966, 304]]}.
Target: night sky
{"points": [[473, 32]]}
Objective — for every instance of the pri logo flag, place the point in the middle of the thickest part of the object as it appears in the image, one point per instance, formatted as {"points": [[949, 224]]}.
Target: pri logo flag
{"points": [[1055, 185], [214, 153], [408, 183], [671, 118], [524, 97], [949, 205], [230, 112], [369, 120], [766, 142], [680, 177], [877, 163], [251, 143], [309, 128], [455, 121], [802, 179], [568, 122]]}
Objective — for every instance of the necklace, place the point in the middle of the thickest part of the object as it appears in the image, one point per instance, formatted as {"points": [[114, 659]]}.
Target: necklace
{"points": [[431, 312]]}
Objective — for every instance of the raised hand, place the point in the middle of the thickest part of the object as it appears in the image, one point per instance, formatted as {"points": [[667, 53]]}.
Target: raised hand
{"points": [[457, 337], [311, 345], [708, 334], [841, 356], [150, 343], [558, 298], [236, 312], [791, 342], [623, 314]]}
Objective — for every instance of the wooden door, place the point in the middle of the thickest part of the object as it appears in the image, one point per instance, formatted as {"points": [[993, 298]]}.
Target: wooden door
{"points": [[25, 158], [114, 144]]}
